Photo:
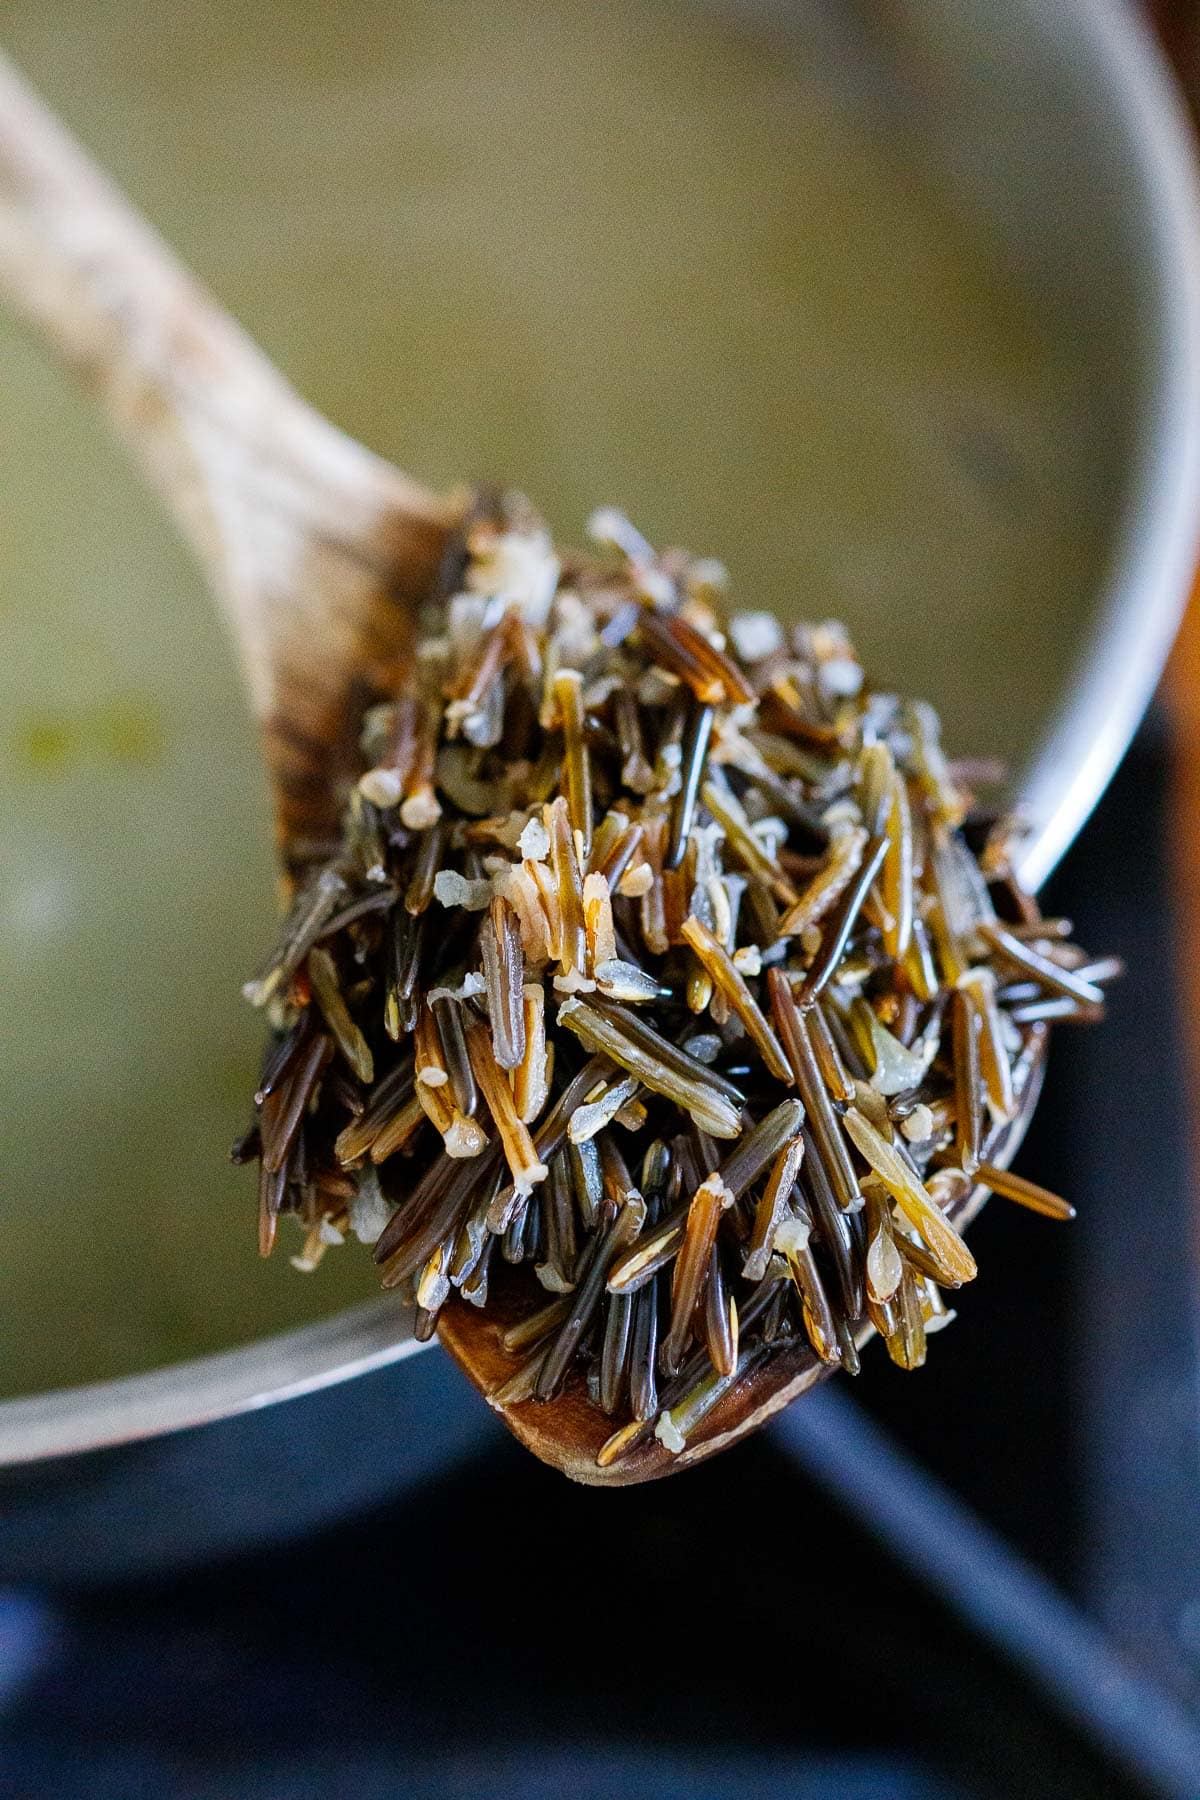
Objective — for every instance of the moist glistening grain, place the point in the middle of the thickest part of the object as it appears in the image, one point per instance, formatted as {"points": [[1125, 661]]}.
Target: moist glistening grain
{"points": [[665, 977]]}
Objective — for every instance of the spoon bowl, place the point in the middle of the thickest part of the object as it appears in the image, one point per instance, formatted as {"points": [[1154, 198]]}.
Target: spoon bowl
{"points": [[568, 1431]]}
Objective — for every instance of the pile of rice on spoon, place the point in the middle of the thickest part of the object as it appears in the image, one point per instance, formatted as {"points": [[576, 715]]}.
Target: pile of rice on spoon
{"points": [[667, 992]]}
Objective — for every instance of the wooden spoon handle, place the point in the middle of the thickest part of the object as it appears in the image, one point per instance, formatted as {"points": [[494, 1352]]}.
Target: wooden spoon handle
{"points": [[307, 538], [169, 367]]}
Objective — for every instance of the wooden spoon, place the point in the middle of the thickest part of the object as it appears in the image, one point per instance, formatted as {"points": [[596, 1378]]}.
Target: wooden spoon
{"points": [[317, 550], [319, 553], [568, 1431]]}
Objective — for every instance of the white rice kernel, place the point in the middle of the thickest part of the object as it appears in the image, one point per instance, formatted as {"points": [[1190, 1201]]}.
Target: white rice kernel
{"points": [[453, 889], [534, 842], [755, 635], [791, 1236], [669, 1435], [918, 1125]]}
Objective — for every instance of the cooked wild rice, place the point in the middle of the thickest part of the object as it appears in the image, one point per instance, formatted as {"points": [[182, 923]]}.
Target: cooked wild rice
{"points": [[665, 977]]}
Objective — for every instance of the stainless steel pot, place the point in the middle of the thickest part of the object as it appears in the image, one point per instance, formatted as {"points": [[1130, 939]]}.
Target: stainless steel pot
{"points": [[1060, 125]]}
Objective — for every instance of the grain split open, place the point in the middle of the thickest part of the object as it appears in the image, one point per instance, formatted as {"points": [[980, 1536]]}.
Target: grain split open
{"points": [[664, 997]]}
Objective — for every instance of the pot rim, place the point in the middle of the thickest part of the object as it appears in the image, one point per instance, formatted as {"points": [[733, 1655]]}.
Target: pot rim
{"points": [[1136, 617]]}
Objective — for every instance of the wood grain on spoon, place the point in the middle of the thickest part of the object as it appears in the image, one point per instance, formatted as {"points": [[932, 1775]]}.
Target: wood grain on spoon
{"points": [[569, 1430], [317, 549]]}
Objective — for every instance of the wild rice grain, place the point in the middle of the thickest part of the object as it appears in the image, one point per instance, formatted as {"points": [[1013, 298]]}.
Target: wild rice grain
{"points": [[614, 874]]}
